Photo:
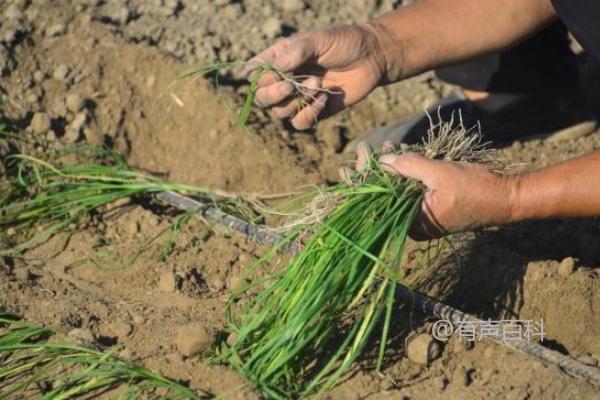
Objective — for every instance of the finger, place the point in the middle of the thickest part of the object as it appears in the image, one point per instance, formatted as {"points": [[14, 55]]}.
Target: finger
{"points": [[287, 108], [363, 155], [285, 55], [346, 175], [388, 146], [268, 78], [310, 87], [308, 115], [273, 94], [410, 165]]}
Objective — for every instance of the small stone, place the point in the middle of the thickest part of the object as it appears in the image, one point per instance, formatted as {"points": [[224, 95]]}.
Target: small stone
{"points": [[213, 133], [51, 136], [460, 377], [12, 231], [82, 335], [566, 267], [167, 282], [423, 349], [236, 284], [75, 102], [40, 123], [231, 338], [194, 339], [39, 76], [271, 27], [588, 360], [120, 329], [73, 132], [56, 30], [32, 98], [60, 73], [292, 5]]}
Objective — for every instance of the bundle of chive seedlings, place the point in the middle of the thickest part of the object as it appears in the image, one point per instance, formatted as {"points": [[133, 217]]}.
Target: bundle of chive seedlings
{"points": [[298, 333], [32, 366], [54, 196]]}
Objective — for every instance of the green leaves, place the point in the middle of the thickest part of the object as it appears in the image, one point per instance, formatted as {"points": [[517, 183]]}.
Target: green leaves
{"points": [[29, 362], [300, 334], [57, 196]]}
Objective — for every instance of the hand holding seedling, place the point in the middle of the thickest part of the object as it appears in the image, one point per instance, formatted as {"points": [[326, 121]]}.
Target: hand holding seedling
{"points": [[458, 196], [465, 196], [336, 67]]}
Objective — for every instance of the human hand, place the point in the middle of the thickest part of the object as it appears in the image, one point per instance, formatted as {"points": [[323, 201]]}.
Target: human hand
{"points": [[459, 196], [335, 68]]}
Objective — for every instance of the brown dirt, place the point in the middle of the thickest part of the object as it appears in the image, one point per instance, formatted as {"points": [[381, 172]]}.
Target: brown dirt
{"points": [[122, 71]]}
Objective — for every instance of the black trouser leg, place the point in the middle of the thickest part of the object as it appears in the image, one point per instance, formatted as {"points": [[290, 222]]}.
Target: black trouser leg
{"points": [[541, 63]]}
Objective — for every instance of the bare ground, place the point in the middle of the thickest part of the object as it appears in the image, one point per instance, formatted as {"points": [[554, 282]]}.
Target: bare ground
{"points": [[120, 57]]}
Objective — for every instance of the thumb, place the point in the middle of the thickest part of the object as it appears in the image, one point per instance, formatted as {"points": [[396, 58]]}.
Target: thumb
{"points": [[410, 165]]}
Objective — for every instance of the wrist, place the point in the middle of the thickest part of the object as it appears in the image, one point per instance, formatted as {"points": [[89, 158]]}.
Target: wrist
{"points": [[515, 198], [389, 51]]}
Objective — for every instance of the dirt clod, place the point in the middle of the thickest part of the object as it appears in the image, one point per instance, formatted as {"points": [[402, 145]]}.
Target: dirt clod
{"points": [[194, 339], [60, 73], [167, 282], [56, 30], [74, 102], [271, 27], [120, 329], [83, 336], [423, 349], [566, 266], [40, 123]]}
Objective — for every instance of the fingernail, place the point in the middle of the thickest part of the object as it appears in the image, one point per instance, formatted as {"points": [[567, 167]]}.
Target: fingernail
{"points": [[387, 159]]}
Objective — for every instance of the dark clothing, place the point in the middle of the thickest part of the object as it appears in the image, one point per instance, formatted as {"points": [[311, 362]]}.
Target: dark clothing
{"points": [[541, 63], [582, 18]]}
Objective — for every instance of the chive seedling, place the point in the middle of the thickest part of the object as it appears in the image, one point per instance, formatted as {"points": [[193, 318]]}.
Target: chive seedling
{"points": [[30, 364], [299, 332]]}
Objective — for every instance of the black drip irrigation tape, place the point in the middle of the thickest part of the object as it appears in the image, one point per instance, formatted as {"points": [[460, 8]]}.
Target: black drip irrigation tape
{"points": [[421, 302]]}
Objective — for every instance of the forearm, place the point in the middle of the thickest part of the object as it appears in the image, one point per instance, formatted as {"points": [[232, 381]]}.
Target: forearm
{"points": [[434, 33], [568, 189]]}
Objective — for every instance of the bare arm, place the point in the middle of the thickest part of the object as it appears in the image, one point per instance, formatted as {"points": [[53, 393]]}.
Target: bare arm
{"points": [[462, 197], [352, 60], [567, 189], [432, 33]]}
